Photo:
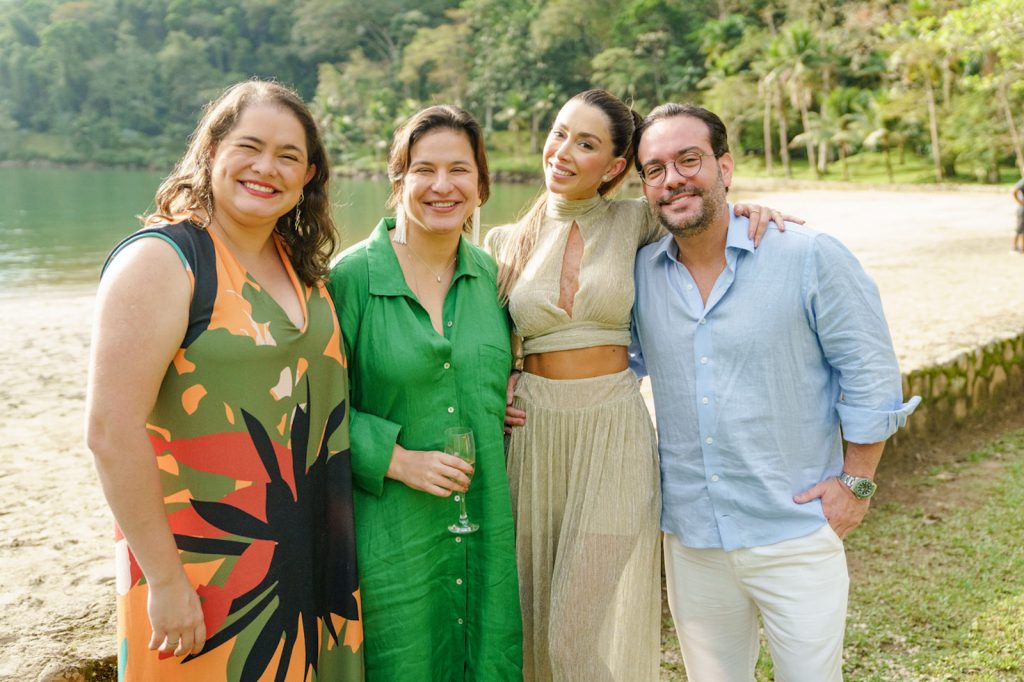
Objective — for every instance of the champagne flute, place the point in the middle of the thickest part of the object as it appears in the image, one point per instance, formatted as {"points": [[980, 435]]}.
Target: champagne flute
{"points": [[458, 441]]}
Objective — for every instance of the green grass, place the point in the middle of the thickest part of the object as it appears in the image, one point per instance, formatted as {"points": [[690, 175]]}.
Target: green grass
{"points": [[937, 582], [508, 153], [866, 167]]}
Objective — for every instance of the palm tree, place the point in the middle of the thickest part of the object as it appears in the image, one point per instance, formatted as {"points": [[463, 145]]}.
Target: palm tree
{"points": [[918, 58], [776, 86], [764, 87], [798, 51], [877, 130], [844, 137], [819, 129], [874, 133], [772, 73], [989, 32]]}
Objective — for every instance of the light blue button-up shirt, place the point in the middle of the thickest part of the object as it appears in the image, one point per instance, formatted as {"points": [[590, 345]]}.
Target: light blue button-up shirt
{"points": [[750, 390]]}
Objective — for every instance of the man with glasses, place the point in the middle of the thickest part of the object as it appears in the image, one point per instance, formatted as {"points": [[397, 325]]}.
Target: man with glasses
{"points": [[757, 358]]}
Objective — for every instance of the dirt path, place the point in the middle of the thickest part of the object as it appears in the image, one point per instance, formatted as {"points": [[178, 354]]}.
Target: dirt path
{"points": [[942, 261]]}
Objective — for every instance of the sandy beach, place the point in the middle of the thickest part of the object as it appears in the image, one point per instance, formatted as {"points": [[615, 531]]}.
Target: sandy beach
{"points": [[942, 260]]}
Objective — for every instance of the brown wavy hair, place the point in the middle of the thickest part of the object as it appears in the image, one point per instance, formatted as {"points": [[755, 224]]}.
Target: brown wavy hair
{"points": [[622, 122], [187, 191], [437, 117]]}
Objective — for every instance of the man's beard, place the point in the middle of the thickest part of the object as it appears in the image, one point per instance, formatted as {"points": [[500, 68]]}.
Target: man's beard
{"points": [[711, 205]]}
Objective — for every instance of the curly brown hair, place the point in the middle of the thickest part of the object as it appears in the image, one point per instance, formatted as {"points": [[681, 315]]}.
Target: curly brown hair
{"points": [[187, 191]]}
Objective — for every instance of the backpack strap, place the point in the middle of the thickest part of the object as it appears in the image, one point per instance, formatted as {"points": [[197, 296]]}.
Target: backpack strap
{"points": [[195, 248]]}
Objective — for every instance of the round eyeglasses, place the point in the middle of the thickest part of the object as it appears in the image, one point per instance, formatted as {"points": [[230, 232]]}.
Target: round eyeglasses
{"points": [[686, 164]]}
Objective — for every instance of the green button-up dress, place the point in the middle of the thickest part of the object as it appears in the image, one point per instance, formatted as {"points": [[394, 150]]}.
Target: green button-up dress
{"points": [[436, 606]]}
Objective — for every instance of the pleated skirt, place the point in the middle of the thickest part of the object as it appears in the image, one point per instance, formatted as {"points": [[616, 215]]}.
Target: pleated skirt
{"points": [[586, 495]]}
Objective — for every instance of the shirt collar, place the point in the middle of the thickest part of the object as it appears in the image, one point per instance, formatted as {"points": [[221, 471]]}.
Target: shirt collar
{"points": [[737, 236], [386, 277], [667, 248]]}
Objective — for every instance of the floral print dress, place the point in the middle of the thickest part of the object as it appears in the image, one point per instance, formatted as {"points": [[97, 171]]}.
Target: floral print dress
{"points": [[250, 433]]}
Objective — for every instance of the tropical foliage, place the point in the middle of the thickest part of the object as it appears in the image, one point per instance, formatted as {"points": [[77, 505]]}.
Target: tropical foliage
{"points": [[810, 82]]}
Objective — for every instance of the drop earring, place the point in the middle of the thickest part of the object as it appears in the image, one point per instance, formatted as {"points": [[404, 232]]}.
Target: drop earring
{"points": [[298, 212], [208, 194], [209, 211], [401, 231]]}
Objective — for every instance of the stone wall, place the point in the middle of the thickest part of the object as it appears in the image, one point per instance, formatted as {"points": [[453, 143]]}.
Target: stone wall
{"points": [[963, 390]]}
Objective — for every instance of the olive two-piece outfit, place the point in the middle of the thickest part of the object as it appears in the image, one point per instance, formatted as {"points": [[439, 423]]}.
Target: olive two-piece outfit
{"points": [[583, 471]]}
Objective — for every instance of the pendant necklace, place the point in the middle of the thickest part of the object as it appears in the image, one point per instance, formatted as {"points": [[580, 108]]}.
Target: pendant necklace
{"points": [[437, 276]]}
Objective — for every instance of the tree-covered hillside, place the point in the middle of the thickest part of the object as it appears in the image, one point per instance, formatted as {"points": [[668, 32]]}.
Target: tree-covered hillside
{"points": [[811, 81]]}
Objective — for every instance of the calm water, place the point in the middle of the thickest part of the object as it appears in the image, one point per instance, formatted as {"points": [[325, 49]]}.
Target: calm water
{"points": [[57, 225]]}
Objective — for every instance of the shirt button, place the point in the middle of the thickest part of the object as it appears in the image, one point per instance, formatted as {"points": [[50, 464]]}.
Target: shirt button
{"points": [[458, 581], [460, 621], [451, 410], [714, 477], [447, 365], [456, 499], [709, 440], [703, 321], [458, 540], [704, 360], [450, 323], [705, 401], [689, 287]]}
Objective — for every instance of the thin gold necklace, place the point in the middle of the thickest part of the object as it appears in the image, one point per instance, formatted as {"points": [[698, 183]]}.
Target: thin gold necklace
{"points": [[434, 272]]}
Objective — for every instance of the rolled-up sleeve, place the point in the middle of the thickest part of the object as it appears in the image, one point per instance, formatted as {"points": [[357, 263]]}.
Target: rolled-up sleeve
{"points": [[373, 442], [845, 309], [863, 425]]}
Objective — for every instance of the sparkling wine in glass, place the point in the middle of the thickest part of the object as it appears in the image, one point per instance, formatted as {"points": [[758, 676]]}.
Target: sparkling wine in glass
{"points": [[458, 441]]}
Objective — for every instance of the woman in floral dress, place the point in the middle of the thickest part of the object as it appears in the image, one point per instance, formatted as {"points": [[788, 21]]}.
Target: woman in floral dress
{"points": [[217, 412]]}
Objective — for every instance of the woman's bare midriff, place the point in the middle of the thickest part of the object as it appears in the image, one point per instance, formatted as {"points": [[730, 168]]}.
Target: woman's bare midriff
{"points": [[580, 363]]}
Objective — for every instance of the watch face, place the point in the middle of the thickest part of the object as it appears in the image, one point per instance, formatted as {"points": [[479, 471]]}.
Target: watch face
{"points": [[863, 488]]}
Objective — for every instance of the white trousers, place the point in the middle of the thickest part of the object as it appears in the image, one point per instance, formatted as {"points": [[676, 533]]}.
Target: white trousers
{"points": [[800, 588]]}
